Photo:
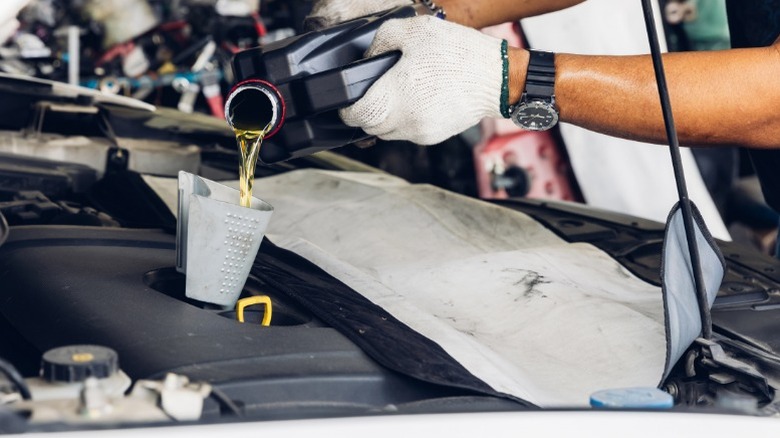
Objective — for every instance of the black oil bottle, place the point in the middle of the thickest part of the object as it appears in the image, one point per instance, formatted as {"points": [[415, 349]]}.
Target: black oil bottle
{"points": [[299, 83]]}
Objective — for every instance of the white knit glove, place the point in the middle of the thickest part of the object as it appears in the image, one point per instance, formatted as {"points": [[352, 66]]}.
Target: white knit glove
{"points": [[326, 13], [447, 80]]}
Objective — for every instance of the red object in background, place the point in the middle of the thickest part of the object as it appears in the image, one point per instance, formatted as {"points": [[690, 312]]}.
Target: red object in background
{"points": [[522, 163], [259, 25], [512, 162], [217, 106], [122, 49]]}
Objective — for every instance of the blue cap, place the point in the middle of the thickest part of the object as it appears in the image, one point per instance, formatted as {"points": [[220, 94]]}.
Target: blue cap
{"points": [[632, 398]]}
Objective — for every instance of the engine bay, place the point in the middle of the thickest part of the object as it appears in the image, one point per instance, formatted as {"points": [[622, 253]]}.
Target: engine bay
{"points": [[88, 256]]}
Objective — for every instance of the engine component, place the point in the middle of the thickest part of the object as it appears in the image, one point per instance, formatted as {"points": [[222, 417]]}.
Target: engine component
{"points": [[83, 384], [51, 178]]}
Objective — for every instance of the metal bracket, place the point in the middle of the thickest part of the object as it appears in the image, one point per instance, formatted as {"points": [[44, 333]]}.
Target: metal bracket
{"points": [[727, 370]]}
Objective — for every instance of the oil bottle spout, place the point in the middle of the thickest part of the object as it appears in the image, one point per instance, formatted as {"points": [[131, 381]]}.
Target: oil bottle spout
{"points": [[254, 104]]}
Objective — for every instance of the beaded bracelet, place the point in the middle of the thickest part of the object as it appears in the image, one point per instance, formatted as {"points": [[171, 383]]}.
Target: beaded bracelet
{"points": [[438, 11], [504, 104]]}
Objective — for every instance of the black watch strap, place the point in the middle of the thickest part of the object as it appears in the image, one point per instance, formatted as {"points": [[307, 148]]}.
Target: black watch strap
{"points": [[540, 79]]}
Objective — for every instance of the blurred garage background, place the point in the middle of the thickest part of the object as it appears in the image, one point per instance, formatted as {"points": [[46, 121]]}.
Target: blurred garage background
{"points": [[177, 53]]}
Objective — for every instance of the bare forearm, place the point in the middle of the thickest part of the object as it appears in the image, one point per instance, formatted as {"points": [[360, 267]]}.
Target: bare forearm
{"points": [[482, 13], [718, 98]]}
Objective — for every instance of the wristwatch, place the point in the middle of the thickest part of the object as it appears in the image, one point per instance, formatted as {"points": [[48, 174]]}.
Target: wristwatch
{"points": [[536, 109]]}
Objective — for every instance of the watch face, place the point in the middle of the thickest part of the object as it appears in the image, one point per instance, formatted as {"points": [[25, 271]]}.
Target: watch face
{"points": [[536, 115]]}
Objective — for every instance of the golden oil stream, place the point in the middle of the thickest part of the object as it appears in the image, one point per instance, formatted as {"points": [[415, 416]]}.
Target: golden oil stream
{"points": [[249, 143]]}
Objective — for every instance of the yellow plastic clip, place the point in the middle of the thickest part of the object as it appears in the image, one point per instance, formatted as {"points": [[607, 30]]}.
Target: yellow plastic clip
{"points": [[249, 301]]}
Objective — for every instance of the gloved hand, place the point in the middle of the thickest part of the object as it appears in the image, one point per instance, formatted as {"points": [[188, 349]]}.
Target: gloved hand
{"points": [[326, 13], [449, 78]]}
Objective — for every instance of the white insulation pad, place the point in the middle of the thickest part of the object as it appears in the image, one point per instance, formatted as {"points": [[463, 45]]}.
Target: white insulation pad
{"points": [[526, 312]]}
